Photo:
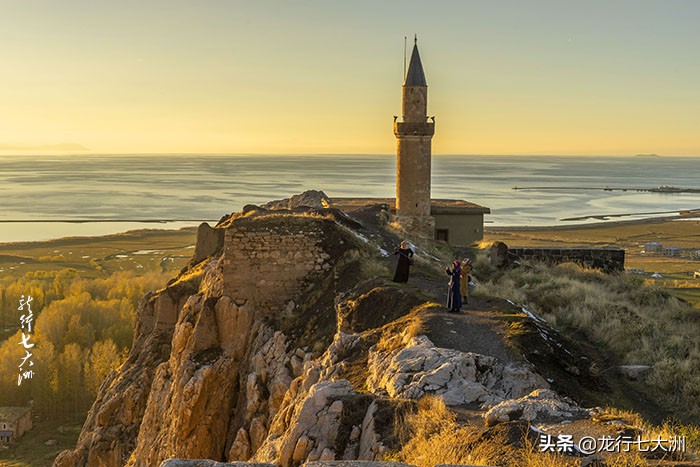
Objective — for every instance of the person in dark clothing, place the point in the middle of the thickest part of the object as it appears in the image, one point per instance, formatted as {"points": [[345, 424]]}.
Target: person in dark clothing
{"points": [[403, 265], [454, 297]]}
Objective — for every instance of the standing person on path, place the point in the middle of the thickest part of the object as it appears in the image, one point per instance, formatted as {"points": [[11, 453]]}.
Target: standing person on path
{"points": [[404, 264], [454, 299], [464, 279]]}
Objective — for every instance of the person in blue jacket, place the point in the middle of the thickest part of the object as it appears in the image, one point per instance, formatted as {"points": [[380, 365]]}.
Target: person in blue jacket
{"points": [[454, 296]]}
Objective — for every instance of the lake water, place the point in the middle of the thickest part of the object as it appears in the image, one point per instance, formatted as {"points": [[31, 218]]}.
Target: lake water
{"points": [[119, 192]]}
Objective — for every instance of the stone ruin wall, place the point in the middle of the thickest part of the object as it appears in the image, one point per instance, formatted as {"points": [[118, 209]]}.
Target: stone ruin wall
{"points": [[258, 260], [606, 259]]}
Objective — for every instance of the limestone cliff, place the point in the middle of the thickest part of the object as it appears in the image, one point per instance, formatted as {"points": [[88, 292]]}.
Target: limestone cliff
{"points": [[274, 346]]}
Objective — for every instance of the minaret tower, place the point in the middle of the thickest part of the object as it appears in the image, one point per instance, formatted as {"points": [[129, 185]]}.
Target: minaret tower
{"points": [[414, 134]]}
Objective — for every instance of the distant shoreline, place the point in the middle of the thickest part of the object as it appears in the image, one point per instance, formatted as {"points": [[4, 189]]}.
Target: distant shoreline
{"points": [[591, 225], [37, 231], [659, 189], [101, 238]]}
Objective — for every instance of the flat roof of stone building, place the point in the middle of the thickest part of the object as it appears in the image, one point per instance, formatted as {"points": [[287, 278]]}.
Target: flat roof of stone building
{"points": [[12, 414], [437, 206]]}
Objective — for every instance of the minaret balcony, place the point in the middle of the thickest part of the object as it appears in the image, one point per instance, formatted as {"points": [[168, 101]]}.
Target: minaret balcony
{"points": [[414, 129]]}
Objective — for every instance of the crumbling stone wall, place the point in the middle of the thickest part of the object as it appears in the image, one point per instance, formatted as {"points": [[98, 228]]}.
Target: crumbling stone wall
{"points": [[606, 259], [265, 264]]}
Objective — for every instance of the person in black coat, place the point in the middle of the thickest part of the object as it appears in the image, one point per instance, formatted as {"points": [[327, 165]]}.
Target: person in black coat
{"points": [[454, 296], [404, 264]]}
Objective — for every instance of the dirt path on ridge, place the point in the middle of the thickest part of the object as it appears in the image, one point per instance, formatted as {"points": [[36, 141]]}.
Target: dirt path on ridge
{"points": [[479, 328]]}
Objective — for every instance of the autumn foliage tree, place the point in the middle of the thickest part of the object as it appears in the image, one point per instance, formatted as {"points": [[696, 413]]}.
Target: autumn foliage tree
{"points": [[83, 330]]}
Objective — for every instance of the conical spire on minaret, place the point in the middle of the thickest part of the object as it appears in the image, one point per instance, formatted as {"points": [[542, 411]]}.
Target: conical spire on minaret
{"points": [[415, 75]]}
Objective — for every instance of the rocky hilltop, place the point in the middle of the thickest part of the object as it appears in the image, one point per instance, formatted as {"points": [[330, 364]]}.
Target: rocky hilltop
{"points": [[281, 342]]}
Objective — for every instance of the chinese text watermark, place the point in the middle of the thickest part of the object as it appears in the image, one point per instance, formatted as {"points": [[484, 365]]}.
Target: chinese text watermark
{"points": [[588, 444], [27, 326]]}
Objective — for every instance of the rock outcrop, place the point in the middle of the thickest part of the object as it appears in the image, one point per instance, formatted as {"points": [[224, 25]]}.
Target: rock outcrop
{"points": [[309, 428], [271, 347], [372, 309], [112, 425], [323, 417], [309, 199], [209, 242], [542, 405], [457, 377]]}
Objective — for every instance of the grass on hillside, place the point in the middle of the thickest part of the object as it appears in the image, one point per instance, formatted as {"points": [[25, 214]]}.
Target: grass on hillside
{"points": [[639, 322], [677, 272]]}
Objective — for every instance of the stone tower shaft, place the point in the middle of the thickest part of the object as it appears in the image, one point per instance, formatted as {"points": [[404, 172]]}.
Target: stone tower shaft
{"points": [[413, 155]]}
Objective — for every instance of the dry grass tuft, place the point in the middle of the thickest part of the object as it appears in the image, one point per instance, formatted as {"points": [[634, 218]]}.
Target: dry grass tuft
{"points": [[396, 334], [482, 265], [415, 327], [432, 434], [374, 267]]}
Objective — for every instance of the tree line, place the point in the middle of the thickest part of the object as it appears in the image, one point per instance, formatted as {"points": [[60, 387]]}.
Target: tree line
{"points": [[83, 329]]}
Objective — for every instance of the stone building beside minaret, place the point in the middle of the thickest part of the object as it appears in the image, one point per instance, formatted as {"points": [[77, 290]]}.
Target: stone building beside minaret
{"points": [[414, 134]]}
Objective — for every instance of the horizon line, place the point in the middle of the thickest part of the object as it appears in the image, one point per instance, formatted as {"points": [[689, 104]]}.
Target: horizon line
{"points": [[451, 154]]}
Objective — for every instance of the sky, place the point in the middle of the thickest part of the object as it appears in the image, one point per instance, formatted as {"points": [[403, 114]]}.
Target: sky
{"points": [[558, 77]]}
